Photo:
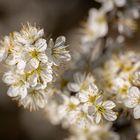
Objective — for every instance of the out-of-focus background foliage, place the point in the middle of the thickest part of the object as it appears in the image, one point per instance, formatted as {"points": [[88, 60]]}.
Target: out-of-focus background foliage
{"points": [[57, 17]]}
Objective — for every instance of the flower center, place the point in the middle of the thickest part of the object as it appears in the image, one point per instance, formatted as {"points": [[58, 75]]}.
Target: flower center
{"points": [[123, 90], [91, 99], [72, 106], [138, 101], [100, 109], [33, 93], [101, 20], [34, 53]]}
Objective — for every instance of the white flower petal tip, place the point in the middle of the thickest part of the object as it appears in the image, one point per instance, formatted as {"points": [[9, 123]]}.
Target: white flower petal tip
{"points": [[137, 112]]}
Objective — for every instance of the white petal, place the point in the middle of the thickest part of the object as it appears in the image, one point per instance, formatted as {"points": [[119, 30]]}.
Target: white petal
{"points": [[99, 100], [34, 63], [73, 87], [41, 86], [83, 96], [43, 58], [12, 59], [62, 110], [93, 87], [19, 39], [85, 108], [119, 82], [32, 79], [20, 91], [79, 77], [134, 92], [109, 104], [91, 110], [23, 91], [98, 118], [108, 6], [2, 53], [13, 91], [74, 100], [81, 123], [130, 103], [41, 45], [50, 44], [137, 112], [72, 119], [21, 65], [40, 33], [9, 78], [120, 3], [41, 99], [60, 41], [110, 115], [41, 103], [46, 77]]}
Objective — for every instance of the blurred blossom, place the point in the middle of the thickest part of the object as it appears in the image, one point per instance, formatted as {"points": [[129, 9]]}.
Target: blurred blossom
{"points": [[95, 27]]}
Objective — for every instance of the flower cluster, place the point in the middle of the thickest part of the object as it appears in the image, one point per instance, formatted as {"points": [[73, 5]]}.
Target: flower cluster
{"points": [[87, 106], [111, 23], [99, 88], [94, 132], [121, 79], [30, 61]]}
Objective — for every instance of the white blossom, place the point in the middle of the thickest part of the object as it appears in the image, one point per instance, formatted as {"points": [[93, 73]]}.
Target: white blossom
{"points": [[18, 85], [121, 87], [9, 51], [28, 34], [70, 107], [133, 101], [89, 96], [55, 99], [103, 109], [4, 47], [81, 82], [34, 100], [95, 27], [57, 52], [36, 54], [39, 78], [135, 78]]}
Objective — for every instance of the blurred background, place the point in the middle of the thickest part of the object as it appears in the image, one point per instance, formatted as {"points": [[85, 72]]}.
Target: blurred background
{"points": [[57, 17]]}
